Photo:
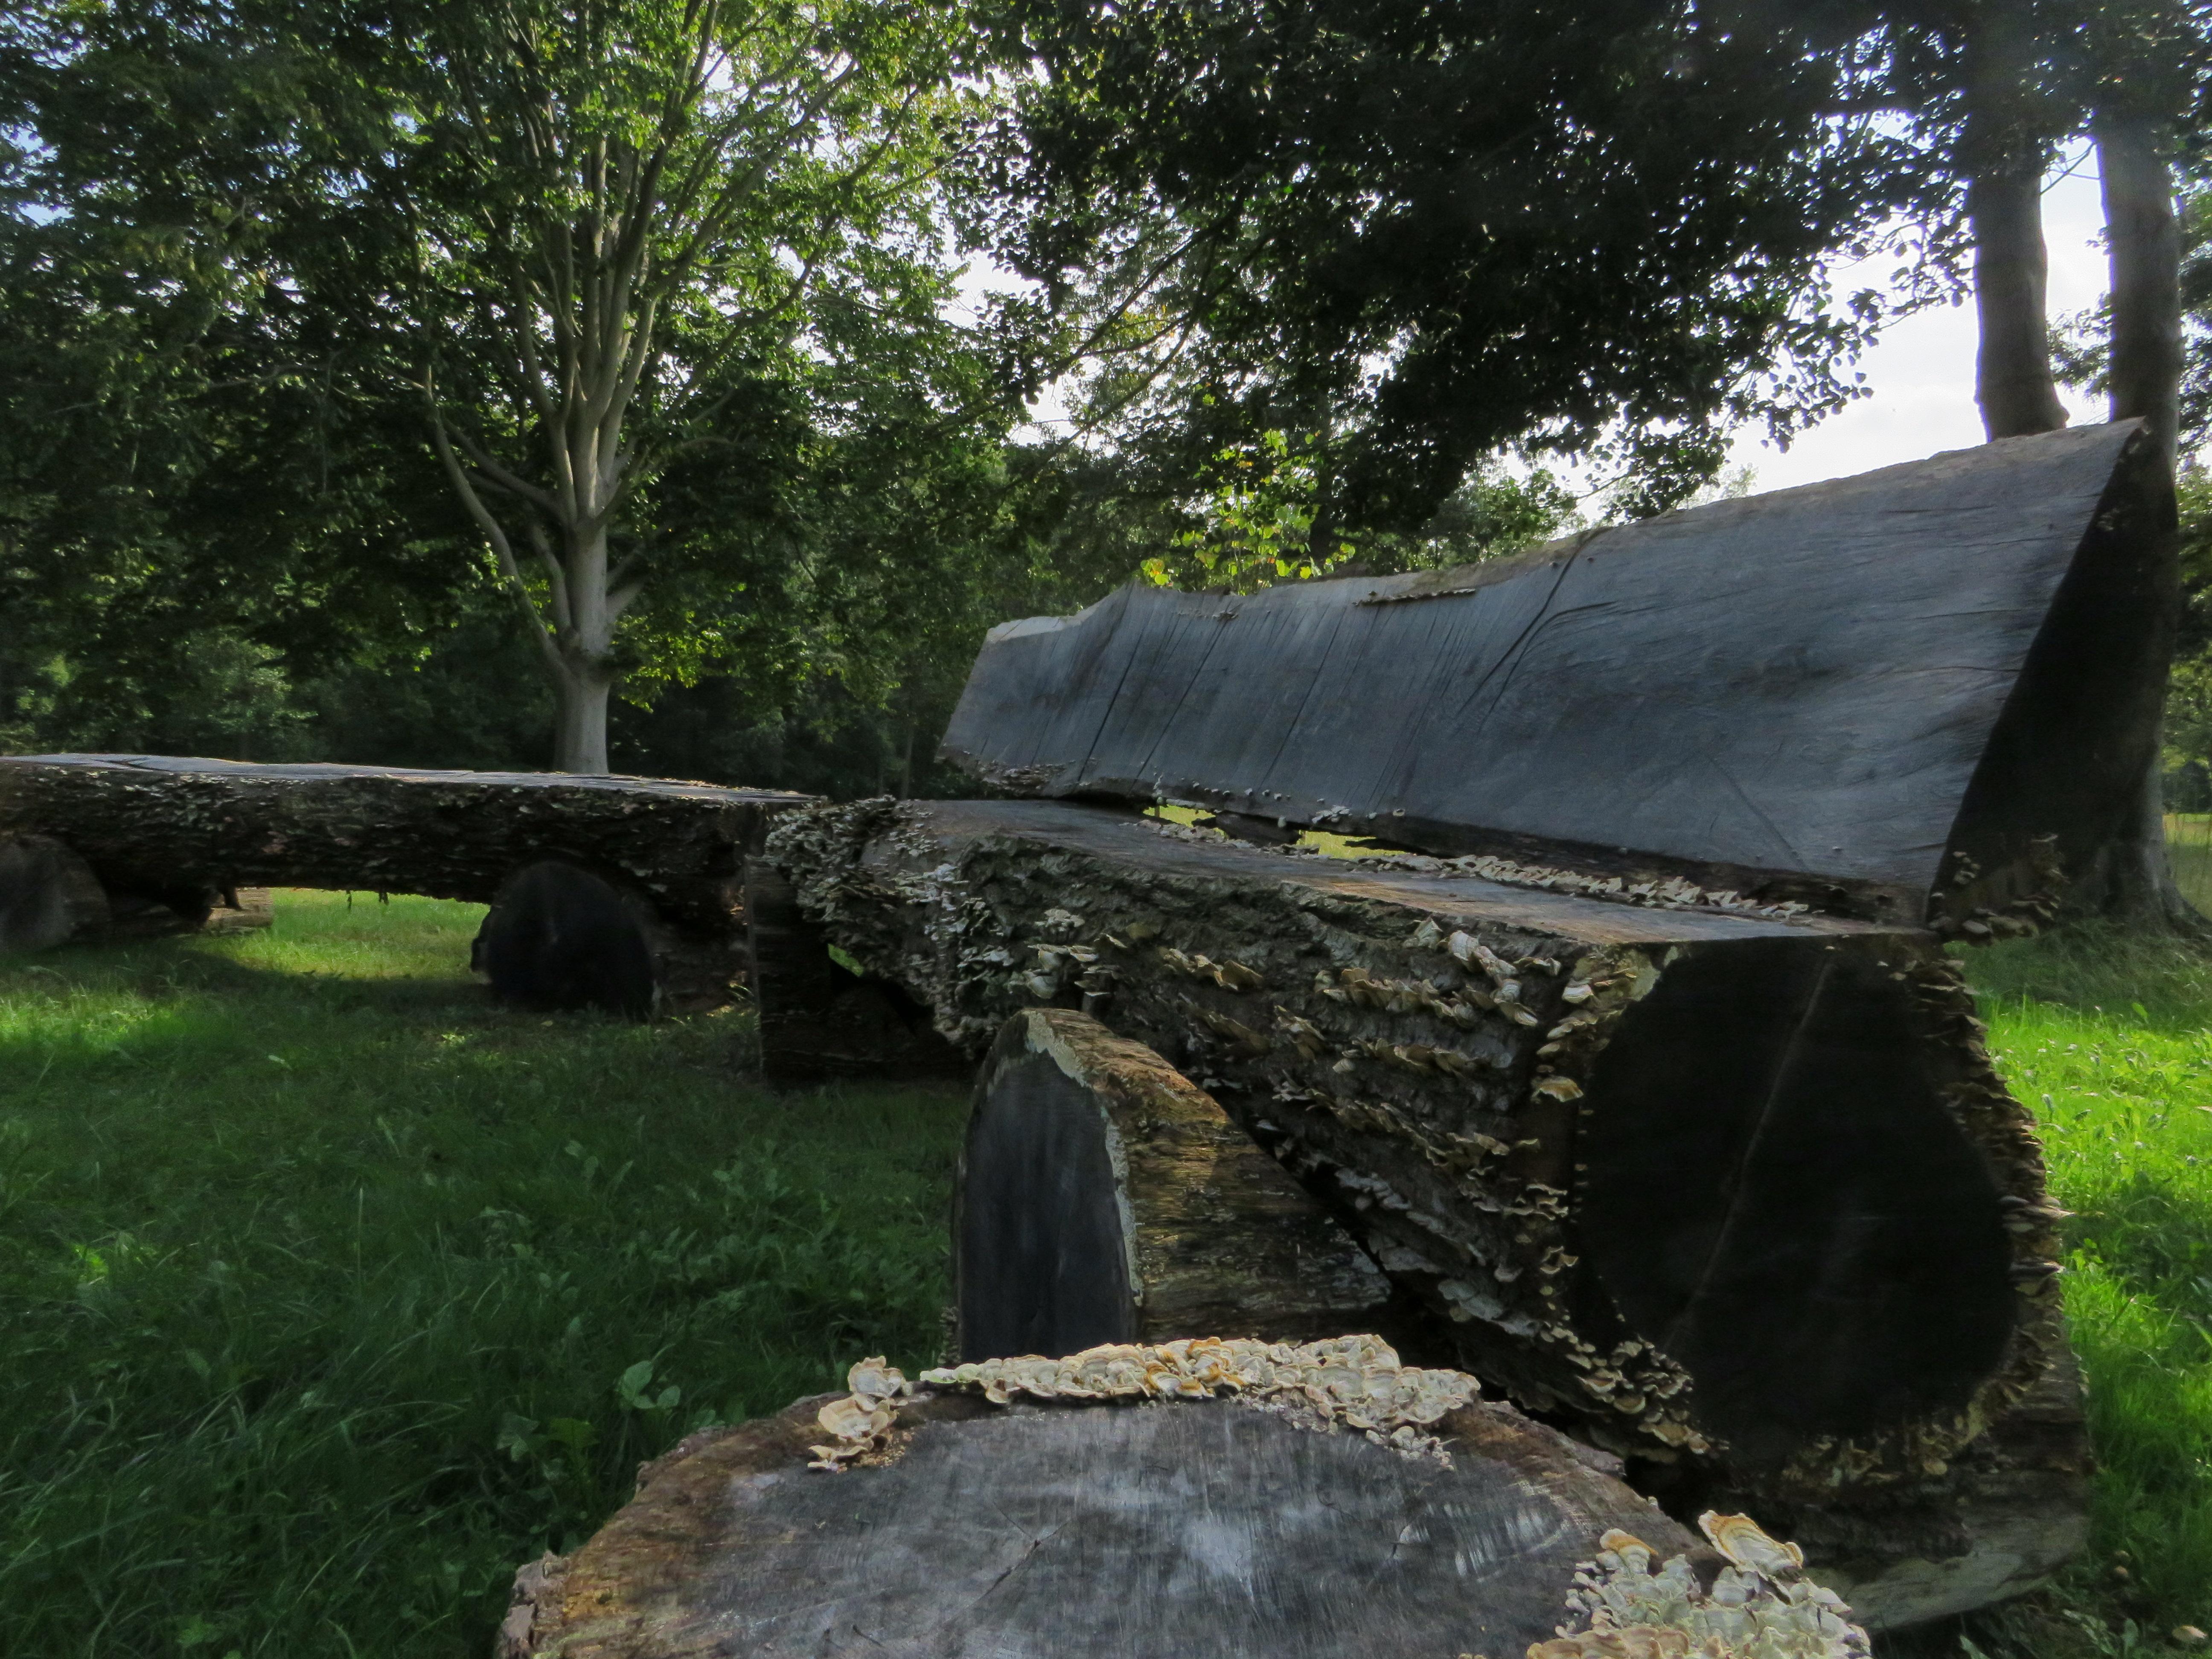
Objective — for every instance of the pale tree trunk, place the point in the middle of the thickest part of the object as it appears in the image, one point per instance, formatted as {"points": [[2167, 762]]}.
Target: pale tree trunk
{"points": [[2003, 155], [2143, 245], [2013, 382]]}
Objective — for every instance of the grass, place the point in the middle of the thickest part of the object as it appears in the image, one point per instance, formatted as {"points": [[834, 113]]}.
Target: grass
{"points": [[330, 1293], [2109, 1040]]}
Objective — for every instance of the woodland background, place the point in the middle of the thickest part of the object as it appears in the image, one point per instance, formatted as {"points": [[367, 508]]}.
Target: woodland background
{"points": [[942, 315]]}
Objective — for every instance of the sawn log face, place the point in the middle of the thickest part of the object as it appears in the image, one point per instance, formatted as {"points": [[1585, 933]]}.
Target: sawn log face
{"points": [[1066, 1532], [1822, 693], [1737, 1191], [1104, 1198]]}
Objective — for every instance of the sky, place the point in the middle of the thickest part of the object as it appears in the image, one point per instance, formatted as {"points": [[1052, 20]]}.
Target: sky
{"points": [[1922, 372]]}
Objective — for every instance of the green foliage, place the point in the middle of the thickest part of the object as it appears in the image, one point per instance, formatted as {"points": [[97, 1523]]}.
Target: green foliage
{"points": [[1256, 526], [1436, 234], [330, 1294]]}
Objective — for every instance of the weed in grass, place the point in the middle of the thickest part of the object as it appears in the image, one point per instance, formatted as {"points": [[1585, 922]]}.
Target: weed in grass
{"points": [[329, 1293]]}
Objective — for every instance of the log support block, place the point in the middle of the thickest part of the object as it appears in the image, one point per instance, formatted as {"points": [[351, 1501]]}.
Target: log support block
{"points": [[1105, 1198], [48, 896], [819, 1020]]}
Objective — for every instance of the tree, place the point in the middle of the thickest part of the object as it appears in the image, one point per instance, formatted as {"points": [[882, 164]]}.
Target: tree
{"points": [[628, 218], [629, 280], [1432, 233]]}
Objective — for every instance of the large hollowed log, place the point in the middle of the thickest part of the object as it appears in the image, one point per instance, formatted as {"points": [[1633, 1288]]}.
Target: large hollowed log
{"points": [[1736, 1192], [1104, 1198], [1089, 1531], [182, 829], [48, 896], [1927, 690]]}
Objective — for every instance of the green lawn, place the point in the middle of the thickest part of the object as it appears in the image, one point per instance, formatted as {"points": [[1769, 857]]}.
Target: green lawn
{"points": [[2110, 1042], [329, 1294]]}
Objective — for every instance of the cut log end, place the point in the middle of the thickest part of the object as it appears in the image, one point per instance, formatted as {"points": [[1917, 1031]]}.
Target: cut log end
{"points": [[559, 938], [1105, 1198], [1777, 1196], [1095, 1530]]}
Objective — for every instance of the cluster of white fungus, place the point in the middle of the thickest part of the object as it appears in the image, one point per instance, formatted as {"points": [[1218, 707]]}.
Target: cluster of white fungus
{"points": [[1761, 1605], [1349, 1382]]}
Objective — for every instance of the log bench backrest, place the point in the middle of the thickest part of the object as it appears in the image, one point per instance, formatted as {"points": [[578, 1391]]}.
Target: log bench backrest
{"points": [[1854, 693]]}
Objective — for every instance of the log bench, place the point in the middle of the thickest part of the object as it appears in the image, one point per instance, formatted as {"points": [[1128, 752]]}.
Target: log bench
{"points": [[1632, 1052], [179, 834]]}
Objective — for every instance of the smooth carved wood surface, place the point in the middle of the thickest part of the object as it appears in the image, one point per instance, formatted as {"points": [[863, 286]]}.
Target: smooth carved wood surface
{"points": [[1795, 690], [157, 823], [1741, 1193], [1104, 1197], [1090, 1532]]}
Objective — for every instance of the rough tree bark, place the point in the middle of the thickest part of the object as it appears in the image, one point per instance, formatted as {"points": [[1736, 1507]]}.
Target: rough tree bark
{"points": [[2012, 381]]}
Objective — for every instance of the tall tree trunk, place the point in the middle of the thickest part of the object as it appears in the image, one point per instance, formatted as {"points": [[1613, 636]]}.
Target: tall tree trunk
{"points": [[2013, 381], [580, 729], [2142, 239], [585, 615], [2003, 155]]}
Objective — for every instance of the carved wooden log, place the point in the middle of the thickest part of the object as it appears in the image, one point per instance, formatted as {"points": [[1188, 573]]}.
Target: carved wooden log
{"points": [[1093, 1531], [1736, 1192], [1104, 1198], [181, 828], [48, 896], [1926, 692]]}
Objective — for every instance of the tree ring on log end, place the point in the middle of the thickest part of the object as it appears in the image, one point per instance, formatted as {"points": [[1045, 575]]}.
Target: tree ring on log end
{"points": [[1776, 1197]]}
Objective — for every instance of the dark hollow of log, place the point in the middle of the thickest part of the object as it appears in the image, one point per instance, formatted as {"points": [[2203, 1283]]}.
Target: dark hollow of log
{"points": [[820, 1021], [1776, 1195], [560, 938], [1104, 1197]]}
